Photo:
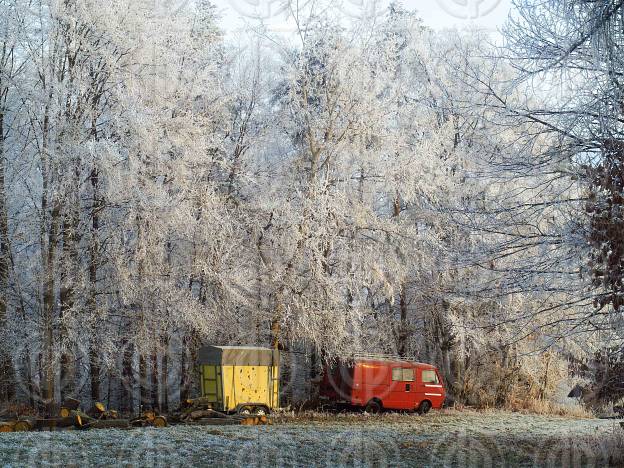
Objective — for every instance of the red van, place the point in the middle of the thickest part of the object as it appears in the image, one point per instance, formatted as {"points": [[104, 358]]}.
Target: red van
{"points": [[377, 383]]}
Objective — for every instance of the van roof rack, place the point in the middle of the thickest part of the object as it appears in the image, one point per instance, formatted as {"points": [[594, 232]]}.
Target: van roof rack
{"points": [[384, 357]]}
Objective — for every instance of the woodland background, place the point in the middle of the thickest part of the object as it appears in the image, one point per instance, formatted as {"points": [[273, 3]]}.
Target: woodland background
{"points": [[367, 187]]}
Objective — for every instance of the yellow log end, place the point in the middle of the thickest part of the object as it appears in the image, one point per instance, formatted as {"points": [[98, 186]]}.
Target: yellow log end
{"points": [[159, 421], [22, 426], [8, 427]]}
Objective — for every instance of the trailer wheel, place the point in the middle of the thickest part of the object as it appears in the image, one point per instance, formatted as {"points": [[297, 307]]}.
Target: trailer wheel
{"points": [[246, 410], [424, 407], [373, 407], [261, 411]]}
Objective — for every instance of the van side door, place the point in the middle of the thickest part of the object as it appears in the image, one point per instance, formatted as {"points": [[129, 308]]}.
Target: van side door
{"points": [[402, 388]]}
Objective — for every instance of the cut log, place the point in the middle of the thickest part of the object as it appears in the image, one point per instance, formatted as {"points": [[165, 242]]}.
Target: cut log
{"points": [[7, 427], [24, 425], [67, 421], [108, 424], [199, 414], [99, 407], [159, 421], [214, 422], [64, 412], [149, 415], [110, 414], [48, 423], [81, 419]]}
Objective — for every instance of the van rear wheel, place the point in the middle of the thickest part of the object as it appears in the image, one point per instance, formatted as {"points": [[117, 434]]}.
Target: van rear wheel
{"points": [[424, 407], [373, 407]]}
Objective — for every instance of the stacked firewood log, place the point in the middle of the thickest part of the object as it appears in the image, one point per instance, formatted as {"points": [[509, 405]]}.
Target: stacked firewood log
{"points": [[149, 418], [199, 411]]}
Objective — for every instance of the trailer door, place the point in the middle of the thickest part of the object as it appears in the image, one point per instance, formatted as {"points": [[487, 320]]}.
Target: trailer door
{"points": [[212, 385]]}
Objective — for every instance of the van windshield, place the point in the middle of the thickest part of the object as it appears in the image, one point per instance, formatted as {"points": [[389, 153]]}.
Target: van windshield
{"points": [[430, 376]]}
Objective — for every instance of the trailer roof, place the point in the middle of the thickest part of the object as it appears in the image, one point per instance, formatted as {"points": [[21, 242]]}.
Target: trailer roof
{"points": [[238, 356]]}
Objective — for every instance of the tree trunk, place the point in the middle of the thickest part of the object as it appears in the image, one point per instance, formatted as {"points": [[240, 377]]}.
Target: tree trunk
{"points": [[93, 267], [48, 308], [127, 380], [276, 327], [184, 381], [154, 386], [164, 378], [143, 390], [109, 388], [48, 251], [94, 361], [66, 299], [402, 328], [7, 375], [403, 331]]}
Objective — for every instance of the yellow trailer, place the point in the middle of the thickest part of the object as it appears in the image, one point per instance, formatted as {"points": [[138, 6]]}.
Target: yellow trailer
{"points": [[243, 379]]}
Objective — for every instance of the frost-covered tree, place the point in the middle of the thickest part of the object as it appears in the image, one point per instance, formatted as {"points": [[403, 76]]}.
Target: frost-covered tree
{"points": [[574, 49]]}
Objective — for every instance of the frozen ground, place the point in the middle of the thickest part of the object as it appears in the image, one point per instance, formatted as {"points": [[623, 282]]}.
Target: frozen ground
{"points": [[438, 439]]}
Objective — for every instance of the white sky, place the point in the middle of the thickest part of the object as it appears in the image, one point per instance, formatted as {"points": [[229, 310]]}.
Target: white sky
{"points": [[437, 14]]}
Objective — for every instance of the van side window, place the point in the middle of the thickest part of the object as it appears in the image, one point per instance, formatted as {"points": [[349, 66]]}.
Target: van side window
{"points": [[429, 376], [402, 375]]}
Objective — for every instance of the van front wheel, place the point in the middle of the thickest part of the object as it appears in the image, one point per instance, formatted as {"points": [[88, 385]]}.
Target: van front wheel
{"points": [[424, 407], [373, 407]]}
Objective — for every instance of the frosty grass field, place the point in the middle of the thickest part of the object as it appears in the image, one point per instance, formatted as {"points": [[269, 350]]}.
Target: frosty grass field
{"points": [[443, 439]]}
